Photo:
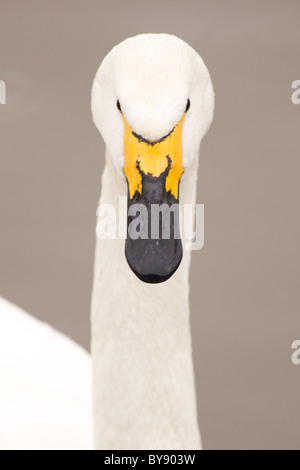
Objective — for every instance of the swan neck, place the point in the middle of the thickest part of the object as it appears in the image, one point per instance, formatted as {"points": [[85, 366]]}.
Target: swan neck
{"points": [[144, 392]]}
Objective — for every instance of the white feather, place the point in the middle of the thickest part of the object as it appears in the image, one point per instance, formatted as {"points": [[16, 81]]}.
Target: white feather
{"points": [[45, 386]]}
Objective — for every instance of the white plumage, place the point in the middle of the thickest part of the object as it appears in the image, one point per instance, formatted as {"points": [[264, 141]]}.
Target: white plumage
{"points": [[143, 377], [45, 386]]}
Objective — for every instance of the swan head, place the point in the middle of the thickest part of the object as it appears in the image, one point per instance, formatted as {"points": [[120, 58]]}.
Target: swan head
{"points": [[153, 101]]}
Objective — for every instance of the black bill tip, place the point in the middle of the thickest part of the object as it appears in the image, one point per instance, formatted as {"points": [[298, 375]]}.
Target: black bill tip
{"points": [[153, 261]]}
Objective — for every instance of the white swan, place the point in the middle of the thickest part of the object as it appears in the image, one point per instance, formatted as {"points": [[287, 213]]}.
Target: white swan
{"points": [[152, 101], [143, 384]]}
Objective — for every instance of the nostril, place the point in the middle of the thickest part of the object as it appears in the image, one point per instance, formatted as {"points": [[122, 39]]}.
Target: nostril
{"points": [[119, 106]]}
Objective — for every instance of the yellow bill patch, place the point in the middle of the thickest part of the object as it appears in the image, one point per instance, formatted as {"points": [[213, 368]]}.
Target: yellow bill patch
{"points": [[151, 158]]}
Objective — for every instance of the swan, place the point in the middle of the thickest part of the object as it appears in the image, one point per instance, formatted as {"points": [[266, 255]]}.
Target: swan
{"points": [[152, 101]]}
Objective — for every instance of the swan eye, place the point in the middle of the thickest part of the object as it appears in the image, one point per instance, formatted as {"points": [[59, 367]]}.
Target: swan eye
{"points": [[187, 106], [119, 106]]}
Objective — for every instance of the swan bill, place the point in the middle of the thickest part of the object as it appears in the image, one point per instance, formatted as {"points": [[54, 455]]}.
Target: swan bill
{"points": [[153, 247]]}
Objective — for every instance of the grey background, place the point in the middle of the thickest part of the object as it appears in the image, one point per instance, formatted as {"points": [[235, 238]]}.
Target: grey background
{"points": [[245, 282]]}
